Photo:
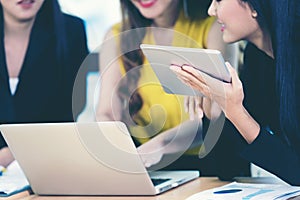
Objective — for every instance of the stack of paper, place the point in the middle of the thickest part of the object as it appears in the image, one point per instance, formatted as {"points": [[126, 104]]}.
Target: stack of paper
{"points": [[13, 180], [248, 191]]}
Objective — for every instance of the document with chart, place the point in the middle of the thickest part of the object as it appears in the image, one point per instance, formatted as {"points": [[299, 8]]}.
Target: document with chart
{"points": [[251, 191]]}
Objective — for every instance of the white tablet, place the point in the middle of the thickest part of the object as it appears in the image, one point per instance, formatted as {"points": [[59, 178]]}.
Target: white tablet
{"points": [[208, 61]]}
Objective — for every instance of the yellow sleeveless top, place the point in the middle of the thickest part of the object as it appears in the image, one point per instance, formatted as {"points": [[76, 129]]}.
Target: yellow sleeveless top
{"points": [[162, 111]]}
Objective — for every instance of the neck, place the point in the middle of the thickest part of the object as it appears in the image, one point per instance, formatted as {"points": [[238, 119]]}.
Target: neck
{"points": [[164, 20], [267, 47], [264, 43], [13, 28]]}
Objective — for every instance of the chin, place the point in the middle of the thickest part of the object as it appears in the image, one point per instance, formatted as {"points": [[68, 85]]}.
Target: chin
{"points": [[27, 16], [149, 15], [229, 40]]}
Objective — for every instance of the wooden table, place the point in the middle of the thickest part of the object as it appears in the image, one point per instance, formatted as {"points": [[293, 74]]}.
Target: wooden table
{"points": [[179, 193]]}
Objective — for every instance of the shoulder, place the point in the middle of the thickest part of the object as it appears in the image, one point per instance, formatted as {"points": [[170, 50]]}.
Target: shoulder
{"points": [[197, 29], [113, 31], [73, 21], [208, 21], [203, 26], [254, 55], [203, 23], [255, 60], [75, 27], [76, 38], [116, 28]]}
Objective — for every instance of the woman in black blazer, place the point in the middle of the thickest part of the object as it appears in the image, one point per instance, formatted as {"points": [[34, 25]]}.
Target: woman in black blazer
{"points": [[41, 50]]}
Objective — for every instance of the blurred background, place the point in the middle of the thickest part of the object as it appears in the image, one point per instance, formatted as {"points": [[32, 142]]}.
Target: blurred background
{"points": [[98, 15]]}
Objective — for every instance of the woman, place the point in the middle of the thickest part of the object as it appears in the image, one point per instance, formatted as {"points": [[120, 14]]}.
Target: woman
{"points": [[41, 52], [264, 105], [130, 91]]}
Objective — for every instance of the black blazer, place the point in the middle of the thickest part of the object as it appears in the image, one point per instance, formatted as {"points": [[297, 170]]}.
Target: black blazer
{"points": [[44, 92], [273, 150]]}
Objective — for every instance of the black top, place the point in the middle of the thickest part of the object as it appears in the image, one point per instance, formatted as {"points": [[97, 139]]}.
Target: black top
{"points": [[272, 150], [44, 91], [224, 159]]}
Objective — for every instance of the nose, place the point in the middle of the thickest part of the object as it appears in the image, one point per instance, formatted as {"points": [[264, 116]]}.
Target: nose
{"points": [[212, 9]]}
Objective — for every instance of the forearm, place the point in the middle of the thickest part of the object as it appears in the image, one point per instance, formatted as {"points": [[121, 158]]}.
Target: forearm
{"points": [[105, 116], [181, 138], [173, 141], [245, 124], [108, 108]]}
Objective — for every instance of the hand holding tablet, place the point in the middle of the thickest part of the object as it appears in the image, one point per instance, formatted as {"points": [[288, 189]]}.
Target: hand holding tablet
{"points": [[207, 61]]}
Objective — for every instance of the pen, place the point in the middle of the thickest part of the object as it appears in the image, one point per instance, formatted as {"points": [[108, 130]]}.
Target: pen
{"points": [[227, 191], [2, 170]]}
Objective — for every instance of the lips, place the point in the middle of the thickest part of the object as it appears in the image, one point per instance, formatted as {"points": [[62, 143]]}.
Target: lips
{"points": [[147, 3], [25, 2]]}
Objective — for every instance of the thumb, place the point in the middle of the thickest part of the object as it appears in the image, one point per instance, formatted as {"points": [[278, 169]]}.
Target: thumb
{"points": [[233, 73]]}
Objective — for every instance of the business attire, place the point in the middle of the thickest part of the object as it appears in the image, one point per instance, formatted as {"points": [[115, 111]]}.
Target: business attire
{"points": [[273, 150], [167, 110], [44, 90]]}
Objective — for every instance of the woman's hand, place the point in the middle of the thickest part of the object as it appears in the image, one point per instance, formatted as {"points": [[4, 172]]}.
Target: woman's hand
{"points": [[174, 141], [193, 106], [229, 96], [198, 106], [151, 153], [6, 157], [211, 109]]}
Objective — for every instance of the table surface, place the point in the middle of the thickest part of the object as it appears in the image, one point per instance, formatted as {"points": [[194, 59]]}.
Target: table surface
{"points": [[181, 192]]}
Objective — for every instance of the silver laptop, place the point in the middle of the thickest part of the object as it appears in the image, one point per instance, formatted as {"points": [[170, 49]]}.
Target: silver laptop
{"points": [[97, 158]]}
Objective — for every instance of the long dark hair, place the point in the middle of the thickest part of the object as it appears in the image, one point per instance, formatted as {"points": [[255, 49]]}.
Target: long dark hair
{"points": [[50, 16], [51, 12], [281, 19], [132, 56]]}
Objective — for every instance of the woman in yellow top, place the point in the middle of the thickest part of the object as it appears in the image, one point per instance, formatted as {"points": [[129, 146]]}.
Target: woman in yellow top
{"points": [[130, 91]]}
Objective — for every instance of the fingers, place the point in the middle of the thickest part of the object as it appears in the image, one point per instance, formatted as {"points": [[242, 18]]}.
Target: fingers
{"points": [[215, 111], [225, 95], [191, 77], [198, 107], [192, 74], [234, 75], [186, 104], [151, 159], [180, 74], [191, 108], [148, 163], [150, 154]]}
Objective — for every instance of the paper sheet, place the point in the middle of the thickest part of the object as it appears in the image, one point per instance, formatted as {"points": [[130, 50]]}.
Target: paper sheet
{"points": [[13, 180], [248, 191]]}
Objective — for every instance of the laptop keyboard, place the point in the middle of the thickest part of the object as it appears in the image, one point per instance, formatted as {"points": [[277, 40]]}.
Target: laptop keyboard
{"points": [[157, 181]]}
